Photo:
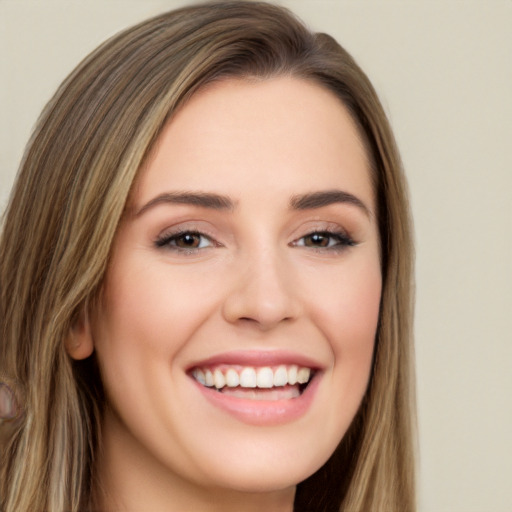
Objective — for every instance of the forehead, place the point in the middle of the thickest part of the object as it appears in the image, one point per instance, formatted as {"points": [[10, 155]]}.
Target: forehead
{"points": [[281, 134]]}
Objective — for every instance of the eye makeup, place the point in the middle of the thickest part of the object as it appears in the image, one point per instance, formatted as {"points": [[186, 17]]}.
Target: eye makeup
{"points": [[190, 241], [322, 240], [185, 241]]}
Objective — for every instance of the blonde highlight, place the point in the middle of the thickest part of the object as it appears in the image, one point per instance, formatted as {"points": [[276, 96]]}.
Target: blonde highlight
{"points": [[71, 192]]}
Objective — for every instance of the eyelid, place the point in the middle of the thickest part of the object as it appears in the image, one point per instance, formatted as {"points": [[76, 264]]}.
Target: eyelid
{"points": [[345, 240], [328, 229], [162, 241]]}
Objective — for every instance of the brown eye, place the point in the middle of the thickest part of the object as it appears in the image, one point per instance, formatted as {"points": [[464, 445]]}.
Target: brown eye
{"points": [[325, 240], [188, 241], [317, 240]]}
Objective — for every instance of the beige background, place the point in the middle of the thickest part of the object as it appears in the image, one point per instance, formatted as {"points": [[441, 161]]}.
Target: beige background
{"points": [[444, 73]]}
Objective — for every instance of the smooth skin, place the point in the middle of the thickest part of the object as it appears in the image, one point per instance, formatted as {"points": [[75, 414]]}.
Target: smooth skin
{"points": [[256, 270]]}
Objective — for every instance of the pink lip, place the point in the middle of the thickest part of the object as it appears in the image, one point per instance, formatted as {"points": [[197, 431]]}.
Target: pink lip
{"points": [[258, 358], [261, 412]]}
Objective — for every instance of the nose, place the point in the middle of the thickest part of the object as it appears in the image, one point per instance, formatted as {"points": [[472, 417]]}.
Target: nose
{"points": [[263, 293]]}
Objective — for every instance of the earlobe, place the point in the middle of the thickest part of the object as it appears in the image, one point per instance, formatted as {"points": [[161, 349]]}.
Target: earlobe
{"points": [[79, 343]]}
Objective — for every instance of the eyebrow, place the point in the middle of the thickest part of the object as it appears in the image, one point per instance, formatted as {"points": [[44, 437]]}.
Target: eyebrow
{"points": [[201, 199], [213, 201], [325, 198]]}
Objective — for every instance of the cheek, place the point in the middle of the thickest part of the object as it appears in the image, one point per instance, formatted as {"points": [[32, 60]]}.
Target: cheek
{"points": [[151, 311], [145, 321], [351, 312], [346, 310], [349, 319]]}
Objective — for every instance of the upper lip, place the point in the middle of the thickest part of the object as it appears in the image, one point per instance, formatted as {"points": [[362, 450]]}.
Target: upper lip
{"points": [[258, 358]]}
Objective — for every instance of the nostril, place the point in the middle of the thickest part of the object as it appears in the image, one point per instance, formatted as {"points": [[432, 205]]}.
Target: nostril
{"points": [[263, 298]]}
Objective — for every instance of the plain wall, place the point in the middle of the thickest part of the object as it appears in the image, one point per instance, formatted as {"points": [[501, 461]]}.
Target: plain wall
{"points": [[443, 70]]}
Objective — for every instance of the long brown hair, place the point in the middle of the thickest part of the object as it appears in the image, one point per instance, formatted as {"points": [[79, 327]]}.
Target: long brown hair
{"points": [[62, 217]]}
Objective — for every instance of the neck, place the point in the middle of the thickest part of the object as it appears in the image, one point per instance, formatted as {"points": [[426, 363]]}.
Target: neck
{"points": [[213, 501], [130, 481]]}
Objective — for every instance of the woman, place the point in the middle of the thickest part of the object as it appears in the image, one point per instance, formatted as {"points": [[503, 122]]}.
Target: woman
{"points": [[205, 273]]}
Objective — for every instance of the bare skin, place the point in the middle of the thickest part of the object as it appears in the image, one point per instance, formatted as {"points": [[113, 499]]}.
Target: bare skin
{"points": [[250, 246]]}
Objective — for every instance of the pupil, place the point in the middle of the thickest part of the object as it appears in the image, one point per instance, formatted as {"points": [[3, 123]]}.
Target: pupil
{"points": [[189, 240], [319, 240]]}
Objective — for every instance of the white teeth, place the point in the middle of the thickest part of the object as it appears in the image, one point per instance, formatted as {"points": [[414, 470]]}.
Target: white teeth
{"points": [[232, 378], [218, 379], [208, 377], [199, 376], [281, 376], [292, 375], [248, 378], [265, 378], [303, 375]]}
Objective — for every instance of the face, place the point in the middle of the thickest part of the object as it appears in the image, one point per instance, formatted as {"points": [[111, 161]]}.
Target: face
{"points": [[239, 312]]}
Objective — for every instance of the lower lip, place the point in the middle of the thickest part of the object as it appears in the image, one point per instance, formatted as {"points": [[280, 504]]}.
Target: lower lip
{"points": [[263, 412]]}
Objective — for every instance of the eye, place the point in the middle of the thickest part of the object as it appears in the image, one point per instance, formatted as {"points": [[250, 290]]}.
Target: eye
{"points": [[325, 240], [184, 241]]}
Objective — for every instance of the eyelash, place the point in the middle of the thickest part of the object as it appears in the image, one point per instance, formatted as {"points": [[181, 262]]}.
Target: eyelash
{"points": [[169, 241], [340, 238]]}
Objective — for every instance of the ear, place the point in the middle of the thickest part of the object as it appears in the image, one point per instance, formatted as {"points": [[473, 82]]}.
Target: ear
{"points": [[79, 343]]}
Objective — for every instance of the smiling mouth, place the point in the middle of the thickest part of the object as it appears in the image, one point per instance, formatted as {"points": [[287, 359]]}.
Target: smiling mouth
{"points": [[269, 383]]}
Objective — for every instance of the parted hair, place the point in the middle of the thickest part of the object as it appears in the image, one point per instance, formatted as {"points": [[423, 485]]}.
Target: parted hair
{"points": [[57, 234]]}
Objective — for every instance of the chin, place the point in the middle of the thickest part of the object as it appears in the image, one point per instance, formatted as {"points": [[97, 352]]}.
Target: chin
{"points": [[270, 470], [264, 480]]}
